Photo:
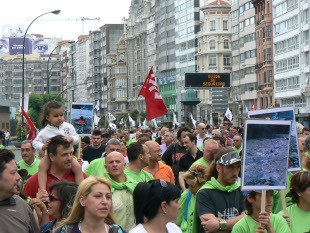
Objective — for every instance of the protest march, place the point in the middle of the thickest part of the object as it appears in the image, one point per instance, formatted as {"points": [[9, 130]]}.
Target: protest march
{"points": [[193, 178]]}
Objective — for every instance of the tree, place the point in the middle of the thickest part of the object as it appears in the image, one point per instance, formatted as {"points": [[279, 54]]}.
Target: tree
{"points": [[36, 103], [18, 133]]}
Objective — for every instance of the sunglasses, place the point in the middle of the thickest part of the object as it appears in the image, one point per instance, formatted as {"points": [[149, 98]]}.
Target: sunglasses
{"points": [[203, 128], [194, 173], [53, 198]]}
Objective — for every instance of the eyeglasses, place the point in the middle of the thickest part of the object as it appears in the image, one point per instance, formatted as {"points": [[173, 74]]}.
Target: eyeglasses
{"points": [[163, 183], [53, 198], [203, 128]]}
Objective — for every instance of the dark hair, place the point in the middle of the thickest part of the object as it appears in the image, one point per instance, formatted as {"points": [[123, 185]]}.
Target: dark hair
{"points": [[47, 109], [147, 131], [134, 150], [105, 135], [96, 133], [56, 141], [305, 129], [184, 129], [248, 205], [300, 181], [191, 137], [86, 139], [148, 197], [221, 139], [208, 127], [66, 192], [6, 156], [212, 172]]}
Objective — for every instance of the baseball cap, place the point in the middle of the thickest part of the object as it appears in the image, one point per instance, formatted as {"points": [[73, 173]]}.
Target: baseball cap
{"points": [[229, 158], [245, 193]]}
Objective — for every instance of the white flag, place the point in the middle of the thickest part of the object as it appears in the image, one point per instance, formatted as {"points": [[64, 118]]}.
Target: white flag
{"points": [[155, 124], [228, 114], [111, 117], [140, 123], [246, 108], [113, 126], [132, 122], [96, 120], [193, 121], [144, 124], [97, 105], [175, 122]]}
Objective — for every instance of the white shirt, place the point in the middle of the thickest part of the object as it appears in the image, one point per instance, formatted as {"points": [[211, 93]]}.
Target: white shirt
{"points": [[65, 129], [199, 141], [171, 228]]}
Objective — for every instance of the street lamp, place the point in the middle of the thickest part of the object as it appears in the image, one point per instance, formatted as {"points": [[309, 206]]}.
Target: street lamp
{"points": [[56, 12], [48, 62]]}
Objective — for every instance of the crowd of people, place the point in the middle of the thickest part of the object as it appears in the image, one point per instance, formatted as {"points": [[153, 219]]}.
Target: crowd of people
{"points": [[143, 180]]}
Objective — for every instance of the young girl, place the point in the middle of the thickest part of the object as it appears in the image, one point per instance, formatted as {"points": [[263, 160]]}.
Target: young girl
{"points": [[53, 120]]}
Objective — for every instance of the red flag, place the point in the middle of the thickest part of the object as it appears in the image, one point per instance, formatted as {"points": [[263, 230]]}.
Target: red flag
{"points": [[254, 106], [155, 106], [32, 134]]}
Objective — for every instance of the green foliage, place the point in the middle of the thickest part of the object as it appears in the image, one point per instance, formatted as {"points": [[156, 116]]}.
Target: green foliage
{"points": [[18, 131], [36, 103]]}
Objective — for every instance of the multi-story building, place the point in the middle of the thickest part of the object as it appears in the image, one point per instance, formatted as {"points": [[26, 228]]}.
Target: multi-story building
{"points": [[35, 75], [82, 56], [118, 79], [244, 59], [264, 43], [166, 56], [291, 56], [214, 56], [137, 46], [187, 18]]}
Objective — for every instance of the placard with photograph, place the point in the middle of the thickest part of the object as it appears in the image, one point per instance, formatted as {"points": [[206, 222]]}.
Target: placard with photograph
{"points": [[266, 153], [82, 117], [283, 114]]}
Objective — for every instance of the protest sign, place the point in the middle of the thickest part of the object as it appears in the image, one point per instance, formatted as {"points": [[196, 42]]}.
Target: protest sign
{"points": [[283, 114], [82, 117], [265, 157]]}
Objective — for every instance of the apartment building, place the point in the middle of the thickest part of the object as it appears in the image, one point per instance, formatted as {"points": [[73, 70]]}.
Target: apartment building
{"points": [[244, 59], [214, 56]]}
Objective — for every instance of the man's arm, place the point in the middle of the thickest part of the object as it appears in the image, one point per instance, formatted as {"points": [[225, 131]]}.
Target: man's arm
{"points": [[211, 223], [181, 181]]}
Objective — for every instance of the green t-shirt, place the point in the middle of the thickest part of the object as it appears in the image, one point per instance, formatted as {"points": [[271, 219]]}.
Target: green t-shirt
{"points": [[142, 176], [2, 147], [300, 219], [96, 168], [248, 225], [201, 161], [277, 201], [34, 168], [238, 150], [129, 142], [190, 225], [307, 153]]}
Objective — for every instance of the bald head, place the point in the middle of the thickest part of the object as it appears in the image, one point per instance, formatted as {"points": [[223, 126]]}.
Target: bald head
{"points": [[201, 130], [155, 150], [115, 164]]}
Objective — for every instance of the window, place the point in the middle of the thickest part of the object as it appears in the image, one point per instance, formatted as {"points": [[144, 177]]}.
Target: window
{"points": [[213, 26], [226, 44], [226, 60], [242, 57], [212, 60], [269, 54], [269, 76], [241, 26], [268, 31], [235, 14], [287, 64], [235, 29], [212, 44], [241, 9], [225, 25]]}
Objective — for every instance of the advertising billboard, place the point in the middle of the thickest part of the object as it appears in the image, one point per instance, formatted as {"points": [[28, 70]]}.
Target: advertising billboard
{"points": [[207, 80], [16, 46]]}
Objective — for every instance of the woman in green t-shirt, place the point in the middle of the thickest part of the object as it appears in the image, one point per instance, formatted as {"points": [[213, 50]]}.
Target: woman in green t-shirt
{"points": [[299, 212], [195, 177], [257, 221]]}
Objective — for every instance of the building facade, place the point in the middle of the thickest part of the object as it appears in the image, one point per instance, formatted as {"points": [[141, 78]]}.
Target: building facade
{"points": [[244, 59], [214, 56], [264, 44]]}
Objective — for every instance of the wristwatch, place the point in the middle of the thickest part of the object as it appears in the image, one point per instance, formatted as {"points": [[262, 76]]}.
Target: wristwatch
{"points": [[223, 225]]}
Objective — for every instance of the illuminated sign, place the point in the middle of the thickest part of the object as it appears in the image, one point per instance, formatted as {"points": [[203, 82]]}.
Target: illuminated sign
{"points": [[207, 80]]}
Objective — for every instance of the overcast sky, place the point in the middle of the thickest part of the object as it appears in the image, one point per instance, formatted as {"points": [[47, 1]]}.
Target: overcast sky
{"points": [[20, 14]]}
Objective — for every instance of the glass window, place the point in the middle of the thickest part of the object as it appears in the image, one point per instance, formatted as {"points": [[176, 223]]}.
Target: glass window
{"points": [[212, 44], [225, 25], [226, 44], [212, 60], [226, 60], [213, 26]]}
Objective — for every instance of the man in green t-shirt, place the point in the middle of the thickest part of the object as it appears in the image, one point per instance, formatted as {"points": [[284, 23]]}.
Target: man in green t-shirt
{"points": [[128, 140], [258, 221], [210, 148], [238, 144], [29, 161], [139, 158]]}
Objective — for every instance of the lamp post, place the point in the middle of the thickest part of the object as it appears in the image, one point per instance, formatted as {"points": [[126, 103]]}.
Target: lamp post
{"points": [[48, 62], [56, 12]]}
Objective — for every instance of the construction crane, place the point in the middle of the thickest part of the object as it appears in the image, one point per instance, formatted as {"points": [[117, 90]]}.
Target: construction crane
{"points": [[82, 19]]}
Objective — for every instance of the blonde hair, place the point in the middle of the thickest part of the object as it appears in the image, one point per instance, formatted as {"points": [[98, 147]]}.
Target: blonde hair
{"points": [[197, 173], [85, 188], [210, 141]]}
